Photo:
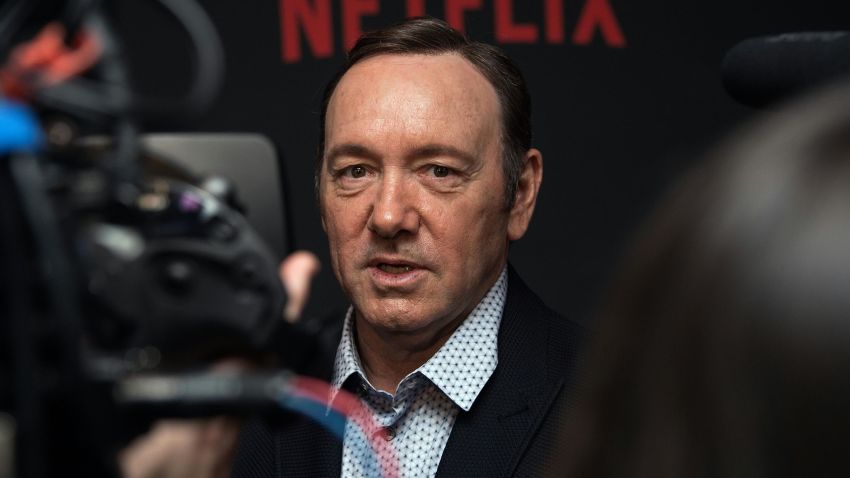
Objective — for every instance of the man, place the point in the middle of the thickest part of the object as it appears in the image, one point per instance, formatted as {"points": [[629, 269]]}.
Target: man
{"points": [[426, 174]]}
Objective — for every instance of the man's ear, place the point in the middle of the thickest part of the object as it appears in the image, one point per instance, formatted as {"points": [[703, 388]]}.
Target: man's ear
{"points": [[526, 194]]}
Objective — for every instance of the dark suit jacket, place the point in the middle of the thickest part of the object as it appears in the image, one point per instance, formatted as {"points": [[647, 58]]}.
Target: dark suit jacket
{"points": [[509, 431]]}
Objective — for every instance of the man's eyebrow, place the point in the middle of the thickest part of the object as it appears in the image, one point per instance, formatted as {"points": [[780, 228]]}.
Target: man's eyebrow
{"points": [[350, 149], [434, 150]]}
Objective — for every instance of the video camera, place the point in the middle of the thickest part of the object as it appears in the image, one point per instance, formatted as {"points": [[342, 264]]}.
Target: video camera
{"points": [[123, 276]]}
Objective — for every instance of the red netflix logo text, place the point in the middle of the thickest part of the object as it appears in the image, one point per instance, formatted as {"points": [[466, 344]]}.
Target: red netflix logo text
{"points": [[312, 21]]}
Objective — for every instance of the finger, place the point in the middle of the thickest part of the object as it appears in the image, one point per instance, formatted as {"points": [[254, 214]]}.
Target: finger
{"points": [[159, 452], [219, 446], [231, 366], [296, 273]]}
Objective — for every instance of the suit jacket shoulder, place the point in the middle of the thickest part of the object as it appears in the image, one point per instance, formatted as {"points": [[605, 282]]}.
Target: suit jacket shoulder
{"points": [[513, 424]]}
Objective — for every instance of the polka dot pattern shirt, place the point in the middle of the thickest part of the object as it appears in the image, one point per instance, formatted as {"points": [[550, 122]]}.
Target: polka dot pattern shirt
{"points": [[419, 418]]}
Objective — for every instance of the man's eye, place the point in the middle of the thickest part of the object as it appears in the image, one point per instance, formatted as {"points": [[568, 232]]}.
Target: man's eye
{"points": [[441, 171], [357, 171]]}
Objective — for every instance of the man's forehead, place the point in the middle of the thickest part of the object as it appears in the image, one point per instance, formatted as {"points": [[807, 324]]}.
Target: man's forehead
{"points": [[450, 67], [414, 92]]}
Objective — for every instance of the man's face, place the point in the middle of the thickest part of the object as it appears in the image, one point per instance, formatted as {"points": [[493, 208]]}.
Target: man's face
{"points": [[412, 190]]}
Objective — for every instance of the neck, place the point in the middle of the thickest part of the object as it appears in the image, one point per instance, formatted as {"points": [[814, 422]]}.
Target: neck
{"points": [[389, 356]]}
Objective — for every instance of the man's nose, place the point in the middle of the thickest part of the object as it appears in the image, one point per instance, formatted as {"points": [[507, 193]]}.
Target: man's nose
{"points": [[394, 211]]}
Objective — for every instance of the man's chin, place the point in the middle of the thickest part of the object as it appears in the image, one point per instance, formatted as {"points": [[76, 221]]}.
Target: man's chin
{"points": [[396, 321], [397, 317]]}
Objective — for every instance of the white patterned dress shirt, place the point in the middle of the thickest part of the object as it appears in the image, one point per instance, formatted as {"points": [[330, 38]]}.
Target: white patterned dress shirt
{"points": [[420, 417]]}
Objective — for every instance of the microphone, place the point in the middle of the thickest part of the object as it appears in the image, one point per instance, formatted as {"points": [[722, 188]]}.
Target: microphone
{"points": [[761, 71]]}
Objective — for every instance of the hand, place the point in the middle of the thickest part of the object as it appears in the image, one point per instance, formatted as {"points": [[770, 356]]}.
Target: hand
{"points": [[182, 448], [296, 273]]}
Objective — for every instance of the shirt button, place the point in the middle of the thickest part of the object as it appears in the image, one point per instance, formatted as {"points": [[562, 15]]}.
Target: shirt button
{"points": [[389, 433]]}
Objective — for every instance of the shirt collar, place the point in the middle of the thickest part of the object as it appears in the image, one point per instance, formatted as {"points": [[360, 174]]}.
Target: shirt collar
{"points": [[347, 360], [461, 367]]}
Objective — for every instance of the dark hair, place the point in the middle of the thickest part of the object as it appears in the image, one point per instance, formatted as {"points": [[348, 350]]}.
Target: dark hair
{"points": [[725, 350], [430, 36]]}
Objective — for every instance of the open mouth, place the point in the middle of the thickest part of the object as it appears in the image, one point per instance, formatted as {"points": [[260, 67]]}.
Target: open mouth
{"points": [[394, 268]]}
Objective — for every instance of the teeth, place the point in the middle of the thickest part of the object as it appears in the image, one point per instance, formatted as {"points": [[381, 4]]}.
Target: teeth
{"points": [[391, 269]]}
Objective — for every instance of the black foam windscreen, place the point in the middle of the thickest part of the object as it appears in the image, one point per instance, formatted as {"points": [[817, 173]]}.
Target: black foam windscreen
{"points": [[761, 71]]}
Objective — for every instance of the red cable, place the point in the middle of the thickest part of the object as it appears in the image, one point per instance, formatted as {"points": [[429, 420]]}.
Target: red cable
{"points": [[46, 60], [351, 407]]}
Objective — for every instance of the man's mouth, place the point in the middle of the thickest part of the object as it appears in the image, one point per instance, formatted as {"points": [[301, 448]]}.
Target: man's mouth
{"points": [[396, 273], [393, 265], [394, 268]]}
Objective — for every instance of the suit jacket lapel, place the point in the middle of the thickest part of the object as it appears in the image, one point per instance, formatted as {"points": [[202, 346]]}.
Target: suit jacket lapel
{"points": [[490, 439]]}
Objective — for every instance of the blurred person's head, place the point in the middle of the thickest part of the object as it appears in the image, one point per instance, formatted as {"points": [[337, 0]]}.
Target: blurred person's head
{"points": [[725, 347]]}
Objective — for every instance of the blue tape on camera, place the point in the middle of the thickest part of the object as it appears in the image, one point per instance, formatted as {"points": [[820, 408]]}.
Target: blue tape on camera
{"points": [[19, 128]]}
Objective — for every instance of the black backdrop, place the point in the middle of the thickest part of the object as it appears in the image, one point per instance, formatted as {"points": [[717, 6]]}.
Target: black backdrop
{"points": [[615, 122]]}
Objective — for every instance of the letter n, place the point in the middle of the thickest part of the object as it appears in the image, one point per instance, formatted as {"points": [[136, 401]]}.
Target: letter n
{"points": [[314, 18]]}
